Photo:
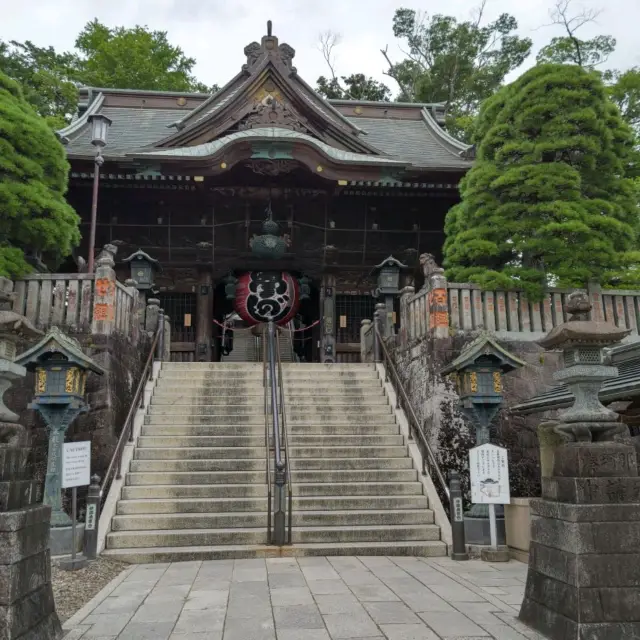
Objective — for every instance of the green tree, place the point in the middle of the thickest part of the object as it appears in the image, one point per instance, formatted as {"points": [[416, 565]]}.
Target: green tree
{"points": [[46, 78], [135, 58], [33, 181], [624, 90], [457, 63], [357, 86], [548, 200], [570, 49], [354, 87]]}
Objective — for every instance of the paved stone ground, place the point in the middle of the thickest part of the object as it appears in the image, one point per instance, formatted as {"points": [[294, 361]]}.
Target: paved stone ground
{"points": [[336, 598]]}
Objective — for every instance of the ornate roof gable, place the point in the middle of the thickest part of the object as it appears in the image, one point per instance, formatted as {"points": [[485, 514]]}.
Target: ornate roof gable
{"points": [[267, 93]]}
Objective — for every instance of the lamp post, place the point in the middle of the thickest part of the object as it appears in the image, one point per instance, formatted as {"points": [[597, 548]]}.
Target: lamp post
{"points": [[61, 372], [478, 372], [99, 126]]}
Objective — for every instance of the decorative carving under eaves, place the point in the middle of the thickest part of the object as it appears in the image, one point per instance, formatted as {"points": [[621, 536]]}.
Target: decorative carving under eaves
{"points": [[261, 192], [271, 167], [273, 113]]}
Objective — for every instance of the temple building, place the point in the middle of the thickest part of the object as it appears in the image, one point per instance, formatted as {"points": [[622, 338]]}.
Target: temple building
{"points": [[197, 182]]}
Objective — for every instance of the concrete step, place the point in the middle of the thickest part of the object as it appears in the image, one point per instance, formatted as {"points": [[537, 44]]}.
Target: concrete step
{"points": [[240, 464], [295, 387], [383, 418], [425, 548], [196, 491], [250, 477], [332, 453], [199, 477], [191, 505], [155, 449], [302, 490], [336, 399], [257, 430], [216, 366], [257, 377], [308, 410], [257, 440], [221, 505], [257, 535], [244, 520]]}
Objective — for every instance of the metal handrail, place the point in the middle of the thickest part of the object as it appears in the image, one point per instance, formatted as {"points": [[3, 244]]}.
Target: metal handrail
{"points": [[281, 471], [267, 444], [126, 435], [432, 463], [285, 433]]}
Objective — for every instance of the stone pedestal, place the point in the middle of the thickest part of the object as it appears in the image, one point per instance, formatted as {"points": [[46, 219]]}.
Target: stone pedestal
{"points": [[27, 609], [584, 562]]}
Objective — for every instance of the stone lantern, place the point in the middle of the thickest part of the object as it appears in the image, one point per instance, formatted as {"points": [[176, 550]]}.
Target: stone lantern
{"points": [[27, 608], [478, 372], [583, 560], [61, 370], [143, 269], [388, 273]]}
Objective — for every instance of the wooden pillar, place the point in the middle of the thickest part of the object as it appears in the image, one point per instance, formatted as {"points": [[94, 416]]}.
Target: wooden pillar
{"points": [[328, 313], [204, 322]]}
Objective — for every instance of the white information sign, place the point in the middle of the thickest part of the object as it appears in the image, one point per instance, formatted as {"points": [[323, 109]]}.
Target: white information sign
{"points": [[489, 470], [76, 464]]}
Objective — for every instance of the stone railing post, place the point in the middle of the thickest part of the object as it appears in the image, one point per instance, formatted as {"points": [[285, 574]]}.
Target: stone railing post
{"points": [[594, 291], [405, 325], [151, 316], [92, 517], [365, 340], [104, 297], [160, 346], [438, 305], [134, 321], [166, 343]]}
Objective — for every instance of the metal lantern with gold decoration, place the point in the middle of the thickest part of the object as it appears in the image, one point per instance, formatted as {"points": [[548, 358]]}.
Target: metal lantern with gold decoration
{"points": [[143, 269], [60, 369], [478, 373]]}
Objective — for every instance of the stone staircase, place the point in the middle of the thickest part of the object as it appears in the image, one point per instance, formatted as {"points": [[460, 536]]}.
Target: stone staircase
{"points": [[248, 348], [196, 488]]}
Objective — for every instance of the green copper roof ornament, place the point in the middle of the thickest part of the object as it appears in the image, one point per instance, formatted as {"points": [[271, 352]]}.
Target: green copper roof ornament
{"points": [[269, 244]]}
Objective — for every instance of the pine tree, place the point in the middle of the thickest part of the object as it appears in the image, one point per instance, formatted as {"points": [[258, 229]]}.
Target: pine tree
{"points": [[548, 200], [33, 180]]}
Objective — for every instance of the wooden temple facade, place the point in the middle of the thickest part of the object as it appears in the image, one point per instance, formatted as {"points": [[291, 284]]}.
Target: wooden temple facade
{"points": [[188, 179]]}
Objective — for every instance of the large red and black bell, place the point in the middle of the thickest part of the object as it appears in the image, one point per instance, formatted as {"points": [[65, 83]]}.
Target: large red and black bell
{"points": [[267, 296]]}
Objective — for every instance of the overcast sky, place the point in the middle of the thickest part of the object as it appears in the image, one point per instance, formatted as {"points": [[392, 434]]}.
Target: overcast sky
{"points": [[216, 31]]}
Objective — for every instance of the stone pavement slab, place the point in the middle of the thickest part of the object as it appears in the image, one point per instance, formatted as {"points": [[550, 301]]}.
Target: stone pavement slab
{"points": [[333, 598]]}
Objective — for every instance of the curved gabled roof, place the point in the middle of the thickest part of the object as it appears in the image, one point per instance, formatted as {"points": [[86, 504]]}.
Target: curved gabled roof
{"points": [[267, 93]]}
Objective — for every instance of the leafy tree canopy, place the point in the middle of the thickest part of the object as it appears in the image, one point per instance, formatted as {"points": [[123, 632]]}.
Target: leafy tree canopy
{"points": [[46, 78], [354, 87], [458, 63], [135, 58], [624, 90], [548, 200], [33, 182], [357, 86]]}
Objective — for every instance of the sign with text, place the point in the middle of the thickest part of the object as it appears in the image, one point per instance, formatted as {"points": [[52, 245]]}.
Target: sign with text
{"points": [[76, 464], [489, 470]]}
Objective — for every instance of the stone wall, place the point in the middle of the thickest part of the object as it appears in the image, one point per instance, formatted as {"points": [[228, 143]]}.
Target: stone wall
{"points": [[450, 436]]}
